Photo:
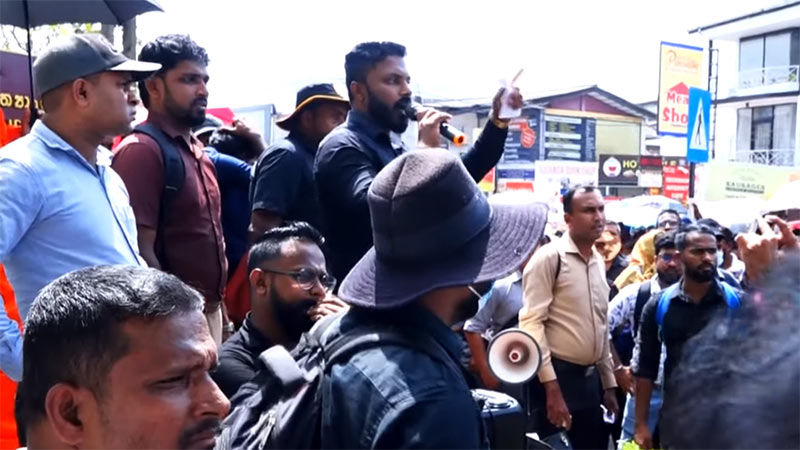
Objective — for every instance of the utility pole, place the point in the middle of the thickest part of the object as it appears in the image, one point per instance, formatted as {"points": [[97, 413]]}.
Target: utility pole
{"points": [[129, 38]]}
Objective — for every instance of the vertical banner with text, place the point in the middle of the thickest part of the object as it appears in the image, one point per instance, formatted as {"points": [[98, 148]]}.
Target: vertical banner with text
{"points": [[681, 68], [14, 87]]}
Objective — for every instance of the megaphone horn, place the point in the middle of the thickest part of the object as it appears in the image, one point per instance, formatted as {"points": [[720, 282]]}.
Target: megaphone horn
{"points": [[514, 356]]}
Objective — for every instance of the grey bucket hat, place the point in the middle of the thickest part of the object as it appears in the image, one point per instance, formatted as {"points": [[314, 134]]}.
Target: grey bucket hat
{"points": [[80, 55], [433, 228]]}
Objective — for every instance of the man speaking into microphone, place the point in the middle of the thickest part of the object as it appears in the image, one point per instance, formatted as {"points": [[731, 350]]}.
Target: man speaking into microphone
{"points": [[348, 159]]}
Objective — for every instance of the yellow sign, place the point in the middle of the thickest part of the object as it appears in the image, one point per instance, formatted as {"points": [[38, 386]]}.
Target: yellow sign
{"points": [[681, 68], [744, 180]]}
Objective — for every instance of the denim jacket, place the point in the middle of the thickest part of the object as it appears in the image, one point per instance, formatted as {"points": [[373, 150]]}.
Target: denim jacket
{"points": [[392, 396]]}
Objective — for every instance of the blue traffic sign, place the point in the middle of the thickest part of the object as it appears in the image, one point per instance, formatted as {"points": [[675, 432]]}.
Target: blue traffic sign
{"points": [[697, 130]]}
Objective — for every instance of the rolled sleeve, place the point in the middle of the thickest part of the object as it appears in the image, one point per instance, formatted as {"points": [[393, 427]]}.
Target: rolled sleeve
{"points": [[141, 167], [537, 284], [20, 202], [277, 181], [483, 318], [647, 353], [10, 346]]}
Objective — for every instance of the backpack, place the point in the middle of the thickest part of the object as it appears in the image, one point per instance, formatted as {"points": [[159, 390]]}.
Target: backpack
{"points": [[282, 406], [730, 294], [174, 177]]}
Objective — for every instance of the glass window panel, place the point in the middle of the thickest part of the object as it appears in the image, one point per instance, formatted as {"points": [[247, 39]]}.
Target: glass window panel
{"points": [[744, 129], [751, 54], [777, 50], [784, 127]]}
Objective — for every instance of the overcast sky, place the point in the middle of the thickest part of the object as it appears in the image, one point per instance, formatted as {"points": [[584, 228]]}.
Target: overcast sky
{"points": [[262, 51]]}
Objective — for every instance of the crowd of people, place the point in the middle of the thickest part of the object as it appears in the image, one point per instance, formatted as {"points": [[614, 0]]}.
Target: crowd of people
{"points": [[154, 280]]}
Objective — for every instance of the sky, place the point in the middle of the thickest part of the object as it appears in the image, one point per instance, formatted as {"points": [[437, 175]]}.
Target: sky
{"points": [[263, 51]]}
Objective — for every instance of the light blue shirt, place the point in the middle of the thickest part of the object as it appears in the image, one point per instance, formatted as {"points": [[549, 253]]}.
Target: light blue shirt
{"points": [[503, 304], [58, 213]]}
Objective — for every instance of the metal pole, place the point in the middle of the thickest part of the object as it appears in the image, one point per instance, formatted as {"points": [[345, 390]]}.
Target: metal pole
{"points": [[691, 180], [34, 113]]}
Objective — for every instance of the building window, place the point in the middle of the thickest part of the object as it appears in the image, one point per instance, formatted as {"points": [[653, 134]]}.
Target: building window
{"points": [[769, 59], [766, 133]]}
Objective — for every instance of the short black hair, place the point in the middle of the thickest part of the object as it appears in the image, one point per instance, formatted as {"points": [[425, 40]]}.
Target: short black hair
{"points": [[365, 56], [744, 363], [680, 237], [665, 241], [567, 199], [668, 211], [268, 246], [169, 51], [233, 145], [73, 330]]}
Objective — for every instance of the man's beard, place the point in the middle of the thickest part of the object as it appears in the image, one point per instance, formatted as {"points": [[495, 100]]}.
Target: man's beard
{"points": [[191, 116], [668, 277], [701, 274], [392, 117], [292, 316]]}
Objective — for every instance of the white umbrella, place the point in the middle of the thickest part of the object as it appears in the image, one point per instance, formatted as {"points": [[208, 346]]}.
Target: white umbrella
{"points": [[785, 198]]}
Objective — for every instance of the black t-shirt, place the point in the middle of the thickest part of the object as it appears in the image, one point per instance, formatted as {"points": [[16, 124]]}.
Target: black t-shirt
{"points": [[238, 358], [682, 321], [284, 182]]}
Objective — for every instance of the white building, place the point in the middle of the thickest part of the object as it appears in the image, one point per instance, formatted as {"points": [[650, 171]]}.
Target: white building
{"points": [[758, 88]]}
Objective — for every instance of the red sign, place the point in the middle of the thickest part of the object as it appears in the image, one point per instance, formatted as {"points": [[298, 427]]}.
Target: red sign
{"points": [[519, 186], [676, 182]]}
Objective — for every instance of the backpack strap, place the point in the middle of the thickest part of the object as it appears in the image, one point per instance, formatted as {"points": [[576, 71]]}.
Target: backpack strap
{"points": [[645, 291], [663, 305], [731, 296], [174, 177]]}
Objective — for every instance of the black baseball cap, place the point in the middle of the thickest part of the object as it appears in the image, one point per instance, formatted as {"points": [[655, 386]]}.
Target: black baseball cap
{"points": [[80, 55]]}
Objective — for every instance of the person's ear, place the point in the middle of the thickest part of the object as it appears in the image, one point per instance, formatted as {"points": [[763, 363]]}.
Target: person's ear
{"points": [[358, 92], [63, 405], [259, 282], [155, 86], [80, 92]]}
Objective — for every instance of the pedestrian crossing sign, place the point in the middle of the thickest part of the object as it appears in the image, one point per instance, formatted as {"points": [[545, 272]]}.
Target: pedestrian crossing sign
{"points": [[697, 136]]}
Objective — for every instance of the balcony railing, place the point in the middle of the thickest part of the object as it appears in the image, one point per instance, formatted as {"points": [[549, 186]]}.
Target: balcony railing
{"points": [[770, 157], [778, 76]]}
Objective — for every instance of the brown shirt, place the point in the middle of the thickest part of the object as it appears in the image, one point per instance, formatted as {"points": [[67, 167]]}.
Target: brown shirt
{"points": [[568, 316], [194, 244]]}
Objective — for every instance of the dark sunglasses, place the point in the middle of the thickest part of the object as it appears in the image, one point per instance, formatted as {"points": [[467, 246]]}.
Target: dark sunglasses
{"points": [[306, 278]]}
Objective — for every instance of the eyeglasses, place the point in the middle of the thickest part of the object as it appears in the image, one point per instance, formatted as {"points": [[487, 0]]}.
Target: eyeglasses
{"points": [[306, 278], [668, 223], [668, 257]]}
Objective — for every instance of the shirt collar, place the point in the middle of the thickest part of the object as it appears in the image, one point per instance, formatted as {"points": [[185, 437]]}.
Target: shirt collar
{"points": [[366, 124], [193, 143], [252, 337], [714, 291], [573, 248], [297, 140], [52, 140]]}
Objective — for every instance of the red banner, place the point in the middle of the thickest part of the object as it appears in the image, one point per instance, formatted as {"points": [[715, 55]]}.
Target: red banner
{"points": [[676, 179]]}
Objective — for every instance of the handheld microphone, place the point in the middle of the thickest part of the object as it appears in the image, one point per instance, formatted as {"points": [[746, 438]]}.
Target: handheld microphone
{"points": [[448, 132]]}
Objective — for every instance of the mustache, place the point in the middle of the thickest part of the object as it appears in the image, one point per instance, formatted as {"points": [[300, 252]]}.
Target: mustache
{"points": [[200, 102], [205, 425], [403, 103]]}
